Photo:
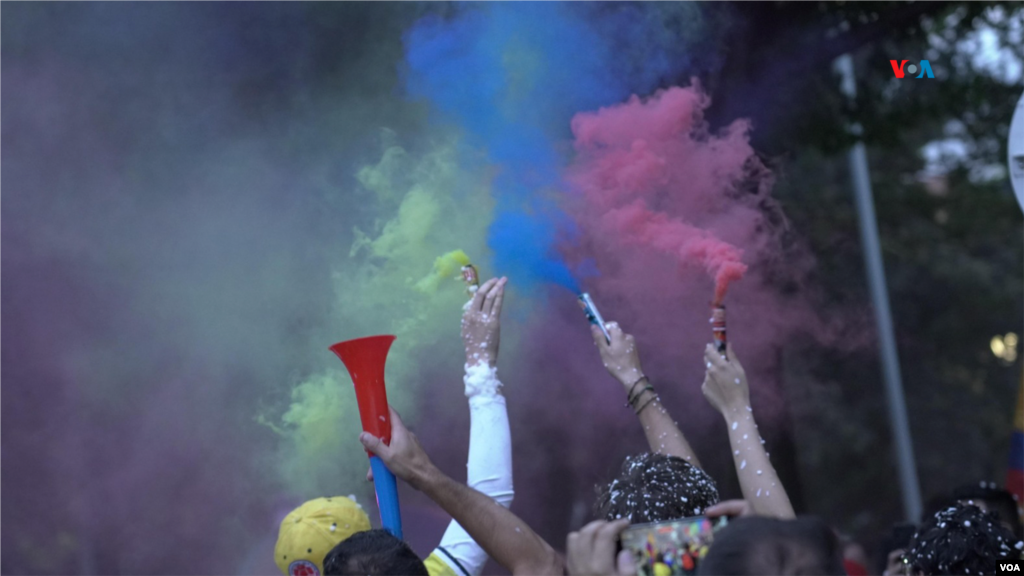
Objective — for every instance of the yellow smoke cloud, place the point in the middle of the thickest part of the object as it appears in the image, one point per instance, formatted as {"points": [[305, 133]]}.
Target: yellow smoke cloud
{"points": [[447, 266], [380, 290]]}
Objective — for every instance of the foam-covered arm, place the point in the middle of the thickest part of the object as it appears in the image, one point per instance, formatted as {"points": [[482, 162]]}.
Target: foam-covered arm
{"points": [[489, 469]]}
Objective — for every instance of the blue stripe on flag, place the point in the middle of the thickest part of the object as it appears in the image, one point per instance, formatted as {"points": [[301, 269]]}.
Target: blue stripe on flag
{"points": [[1017, 450]]}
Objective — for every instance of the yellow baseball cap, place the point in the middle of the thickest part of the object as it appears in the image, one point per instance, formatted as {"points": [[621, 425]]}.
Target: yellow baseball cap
{"points": [[312, 530]]}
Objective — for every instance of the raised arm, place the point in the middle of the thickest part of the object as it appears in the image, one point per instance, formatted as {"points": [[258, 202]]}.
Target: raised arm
{"points": [[500, 532], [489, 468], [725, 387], [622, 360]]}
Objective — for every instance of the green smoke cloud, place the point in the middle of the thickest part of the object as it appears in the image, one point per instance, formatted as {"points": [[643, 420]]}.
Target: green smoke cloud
{"points": [[436, 205]]}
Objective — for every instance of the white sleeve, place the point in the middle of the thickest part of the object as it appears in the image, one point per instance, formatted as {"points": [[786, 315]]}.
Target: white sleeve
{"points": [[489, 469]]}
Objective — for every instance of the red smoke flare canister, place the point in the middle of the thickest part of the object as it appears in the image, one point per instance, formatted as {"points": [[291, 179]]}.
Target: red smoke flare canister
{"points": [[718, 326]]}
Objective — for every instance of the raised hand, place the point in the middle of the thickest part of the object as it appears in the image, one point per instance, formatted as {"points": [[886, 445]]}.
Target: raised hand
{"points": [[725, 382], [481, 323], [404, 456], [620, 357], [622, 360]]}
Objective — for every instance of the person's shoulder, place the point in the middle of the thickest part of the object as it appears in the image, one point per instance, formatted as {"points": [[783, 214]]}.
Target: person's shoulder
{"points": [[436, 566]]}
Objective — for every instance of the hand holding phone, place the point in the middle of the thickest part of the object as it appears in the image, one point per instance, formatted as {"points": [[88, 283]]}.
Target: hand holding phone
{"points": [[672, 548]]}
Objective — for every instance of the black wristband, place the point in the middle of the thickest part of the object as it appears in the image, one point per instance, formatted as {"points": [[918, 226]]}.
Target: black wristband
{"points": [[645, 404], [632, 401], [629, 393]]}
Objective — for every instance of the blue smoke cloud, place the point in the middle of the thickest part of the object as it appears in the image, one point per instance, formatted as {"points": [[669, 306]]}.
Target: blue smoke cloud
{"points": [[512, 75]]}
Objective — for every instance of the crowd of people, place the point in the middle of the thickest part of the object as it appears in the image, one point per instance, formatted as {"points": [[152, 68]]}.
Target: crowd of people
{"points": [[970, 532]]}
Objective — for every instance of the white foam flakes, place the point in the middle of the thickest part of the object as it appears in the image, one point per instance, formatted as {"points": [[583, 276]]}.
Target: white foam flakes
{"points": [[481, 379]]}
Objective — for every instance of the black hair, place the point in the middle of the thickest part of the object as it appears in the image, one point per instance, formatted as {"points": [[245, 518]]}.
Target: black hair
{"points": [[375, 552], [654, 488], [997, 500], [761, 545], [962, 539]]}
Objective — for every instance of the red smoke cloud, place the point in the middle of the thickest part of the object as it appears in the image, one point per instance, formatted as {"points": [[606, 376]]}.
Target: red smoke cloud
{"points": [[653, 173]]}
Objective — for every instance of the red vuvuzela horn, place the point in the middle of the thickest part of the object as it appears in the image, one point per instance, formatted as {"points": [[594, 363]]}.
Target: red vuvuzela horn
{"points": [[364, 358]]}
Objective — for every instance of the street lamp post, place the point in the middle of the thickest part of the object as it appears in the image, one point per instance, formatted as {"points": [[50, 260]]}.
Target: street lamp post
{"points": [[898, 421]]}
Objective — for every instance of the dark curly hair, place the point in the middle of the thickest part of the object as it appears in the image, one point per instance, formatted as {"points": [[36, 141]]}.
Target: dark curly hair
{"points": [[962, 539], [373, 552], [654, 488]]}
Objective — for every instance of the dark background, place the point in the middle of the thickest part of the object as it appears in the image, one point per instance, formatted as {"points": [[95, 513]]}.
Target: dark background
{"points": [[951, 240]]}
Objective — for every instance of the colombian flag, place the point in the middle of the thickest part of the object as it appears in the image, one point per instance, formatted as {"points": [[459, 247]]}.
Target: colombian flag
{"points": [[1015, 472]]}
